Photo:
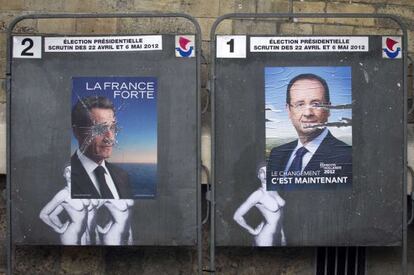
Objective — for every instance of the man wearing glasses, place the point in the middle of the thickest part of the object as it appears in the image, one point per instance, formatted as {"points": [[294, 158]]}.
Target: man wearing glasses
{"points": [[94, 127], [317, 157]]}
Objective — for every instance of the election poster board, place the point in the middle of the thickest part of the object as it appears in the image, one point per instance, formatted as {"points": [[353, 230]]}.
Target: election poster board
{"points": [[100, 127], [309, 140]]}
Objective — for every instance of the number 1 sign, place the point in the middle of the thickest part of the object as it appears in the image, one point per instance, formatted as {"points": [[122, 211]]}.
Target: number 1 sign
{"points": [[231, 46]]}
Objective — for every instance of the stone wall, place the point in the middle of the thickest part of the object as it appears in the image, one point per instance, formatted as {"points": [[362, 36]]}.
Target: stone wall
{"points": [[47, 260]]}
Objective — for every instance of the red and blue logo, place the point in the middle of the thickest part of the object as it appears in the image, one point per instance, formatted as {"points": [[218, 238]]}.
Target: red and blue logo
{"points": [[391, 47], [184, 46]]}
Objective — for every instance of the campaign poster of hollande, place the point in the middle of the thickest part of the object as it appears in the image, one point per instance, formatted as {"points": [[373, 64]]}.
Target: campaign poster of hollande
{"points": [[308, 127]]}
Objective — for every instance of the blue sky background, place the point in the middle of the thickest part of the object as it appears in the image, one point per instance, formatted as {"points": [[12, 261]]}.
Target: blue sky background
{"points": [[276, 80], [137, 118]]}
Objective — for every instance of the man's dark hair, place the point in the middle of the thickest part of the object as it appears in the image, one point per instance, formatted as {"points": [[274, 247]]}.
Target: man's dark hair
{"points": [[80, 112], [309, 77]]}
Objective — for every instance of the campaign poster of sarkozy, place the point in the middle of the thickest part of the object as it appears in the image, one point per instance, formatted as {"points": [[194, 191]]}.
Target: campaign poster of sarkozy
{"points": [[308, 116], [114, 137]]}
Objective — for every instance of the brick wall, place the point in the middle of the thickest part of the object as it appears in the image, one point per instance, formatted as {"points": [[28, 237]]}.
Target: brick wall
{"points": [[183, 260]]}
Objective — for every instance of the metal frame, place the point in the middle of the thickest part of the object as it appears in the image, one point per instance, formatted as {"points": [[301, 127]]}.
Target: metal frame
{"points": [[252, 16], [10, 247]]}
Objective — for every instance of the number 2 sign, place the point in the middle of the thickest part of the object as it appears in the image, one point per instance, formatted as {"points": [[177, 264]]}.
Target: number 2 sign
{"points": [[27, 47], [231, 46]]}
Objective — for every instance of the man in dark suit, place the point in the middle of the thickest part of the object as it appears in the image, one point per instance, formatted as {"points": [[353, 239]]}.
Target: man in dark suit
{"points": [[316, 158], [94, 126]]}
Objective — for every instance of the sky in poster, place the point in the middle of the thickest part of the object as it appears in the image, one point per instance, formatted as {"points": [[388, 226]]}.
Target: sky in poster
{"points": [[136, 116], [339, 82]]}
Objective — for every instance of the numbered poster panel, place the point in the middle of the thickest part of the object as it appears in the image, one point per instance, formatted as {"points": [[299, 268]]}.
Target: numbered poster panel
{"points": [[309, 140], [100, 129]]}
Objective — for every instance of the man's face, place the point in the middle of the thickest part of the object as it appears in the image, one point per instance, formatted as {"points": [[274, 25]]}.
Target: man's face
{"points": [[304, 94], [101, 136]]}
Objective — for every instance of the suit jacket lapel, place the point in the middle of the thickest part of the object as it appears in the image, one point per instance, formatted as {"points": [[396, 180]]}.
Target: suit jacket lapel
{"points": [[284, 157], [81, 183], [320, 154], [115, 179]]}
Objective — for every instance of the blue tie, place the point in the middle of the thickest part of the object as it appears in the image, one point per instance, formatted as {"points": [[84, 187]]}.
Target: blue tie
{"points": [[297, 161]]}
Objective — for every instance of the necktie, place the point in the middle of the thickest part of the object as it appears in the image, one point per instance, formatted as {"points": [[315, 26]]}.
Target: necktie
{"points": [[297, 161], [103, 186]]}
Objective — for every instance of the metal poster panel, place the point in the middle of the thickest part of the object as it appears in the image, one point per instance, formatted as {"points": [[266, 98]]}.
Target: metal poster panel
{"points": [[100, 129], [309, 140]]}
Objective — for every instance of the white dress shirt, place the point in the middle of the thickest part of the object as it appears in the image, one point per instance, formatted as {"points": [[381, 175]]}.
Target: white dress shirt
{"points": [[90, 167], [312, 146]]}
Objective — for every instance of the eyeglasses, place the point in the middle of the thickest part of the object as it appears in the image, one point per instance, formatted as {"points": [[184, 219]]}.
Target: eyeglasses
{"points": [[100, 129], [103, 128], [302, 106]]}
